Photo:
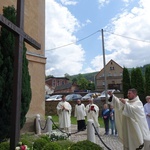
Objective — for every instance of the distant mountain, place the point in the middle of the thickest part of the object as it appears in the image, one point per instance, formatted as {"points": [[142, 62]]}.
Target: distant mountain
{"points": [[142, 68], [88, 76], [91, 76]]}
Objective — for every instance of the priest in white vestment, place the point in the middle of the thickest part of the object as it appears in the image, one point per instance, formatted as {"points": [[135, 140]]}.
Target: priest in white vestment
{"points": [[64, 112], [130, 120], [92, 112], [80, 115], [147, 110]]}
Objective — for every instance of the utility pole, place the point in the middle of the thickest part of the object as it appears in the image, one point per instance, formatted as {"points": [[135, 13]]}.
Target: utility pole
{"points": [[105, 75]]}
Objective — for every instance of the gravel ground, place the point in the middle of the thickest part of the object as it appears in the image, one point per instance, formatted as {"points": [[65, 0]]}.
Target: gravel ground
{"points": [[111, 141]]}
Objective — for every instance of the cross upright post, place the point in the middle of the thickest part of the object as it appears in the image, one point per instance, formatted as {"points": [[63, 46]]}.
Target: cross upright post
{"points": [[16, 103], [18, 30]]}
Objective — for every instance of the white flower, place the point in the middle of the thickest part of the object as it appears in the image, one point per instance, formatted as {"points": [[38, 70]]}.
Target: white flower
{"points": [[17, 148]]}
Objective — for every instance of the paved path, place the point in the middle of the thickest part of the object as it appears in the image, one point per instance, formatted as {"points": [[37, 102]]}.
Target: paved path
{"points": [[110, 140]]}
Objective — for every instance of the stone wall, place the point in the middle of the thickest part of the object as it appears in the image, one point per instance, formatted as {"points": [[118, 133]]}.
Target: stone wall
{"points": [[50, 106]]}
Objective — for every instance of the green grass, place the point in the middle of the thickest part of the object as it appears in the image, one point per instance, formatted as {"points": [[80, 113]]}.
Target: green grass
{"points": [[74, 120]]}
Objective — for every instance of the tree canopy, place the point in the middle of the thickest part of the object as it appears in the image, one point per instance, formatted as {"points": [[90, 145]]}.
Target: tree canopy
{"points": [[7, 44]]}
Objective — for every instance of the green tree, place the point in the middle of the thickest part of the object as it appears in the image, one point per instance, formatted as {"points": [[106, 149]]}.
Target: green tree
{"points": [[126, 81], [91, 86], [147, 80], [7, 40], [133, 78], [82, 82], [74, 80], [140, 83]]}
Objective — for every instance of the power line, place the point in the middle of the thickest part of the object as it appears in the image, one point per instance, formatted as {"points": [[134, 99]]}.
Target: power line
{"points": [[128, 37], [76, 41], [94, 34]]}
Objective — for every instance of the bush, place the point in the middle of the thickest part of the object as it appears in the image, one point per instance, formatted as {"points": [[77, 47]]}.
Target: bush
{"points": [[27, 142], [52, 146], [4, 146], [88, 145], [60, 137], [65, 144], [39, 144]]}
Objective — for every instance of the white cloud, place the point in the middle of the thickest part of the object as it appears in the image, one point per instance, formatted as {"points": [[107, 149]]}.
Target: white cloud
{"points": [[102, 3], [86, 23], [125, 51], [68, 2], [60, 26]]}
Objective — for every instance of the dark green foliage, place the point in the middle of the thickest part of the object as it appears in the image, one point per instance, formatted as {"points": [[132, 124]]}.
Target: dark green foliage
{"points": [[88, 76], [85, 145], [133, 78], [82, 82], [39, 144], [52, 146], [4, 146], [91, 86], [65, 144], [74, 80], [6, 75], [137, 82], [45, 137], [7, 50], [126, 81], [27, 142], [147, 80], [140, 84], [26, 89]]}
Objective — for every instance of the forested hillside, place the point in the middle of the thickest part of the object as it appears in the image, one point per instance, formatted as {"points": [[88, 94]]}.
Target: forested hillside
{"points": [[91, 76], [88, 76]]}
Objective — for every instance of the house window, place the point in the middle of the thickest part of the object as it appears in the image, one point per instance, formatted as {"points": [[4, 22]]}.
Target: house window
{"points": [[112, 68], [62, 82], [109, 74], [53, 82], [103, 83]]}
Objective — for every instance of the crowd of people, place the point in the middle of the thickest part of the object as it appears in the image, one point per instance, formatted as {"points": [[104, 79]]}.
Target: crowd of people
{"points": [[126, 118]]}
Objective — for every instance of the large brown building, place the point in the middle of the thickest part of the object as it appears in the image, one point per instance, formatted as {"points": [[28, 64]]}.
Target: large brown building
{"points": [[60, 85], [53, 82], [113, 77], [34, 25]]}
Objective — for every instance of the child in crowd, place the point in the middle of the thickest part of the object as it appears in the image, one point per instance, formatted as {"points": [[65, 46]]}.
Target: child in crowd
{"points": [[106, 116], [112, 120]]}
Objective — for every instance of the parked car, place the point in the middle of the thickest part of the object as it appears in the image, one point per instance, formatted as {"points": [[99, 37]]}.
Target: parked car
{"points": [[47, 96], [54, 97], [70, 97], [103, 96], [89, 95]]}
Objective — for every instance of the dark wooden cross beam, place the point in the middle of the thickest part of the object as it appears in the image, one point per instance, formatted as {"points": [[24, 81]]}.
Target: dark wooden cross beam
{"points": [[21, 36]]}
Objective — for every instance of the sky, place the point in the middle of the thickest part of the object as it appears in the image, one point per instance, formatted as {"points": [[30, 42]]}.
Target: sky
{"points": [[73, 35]]}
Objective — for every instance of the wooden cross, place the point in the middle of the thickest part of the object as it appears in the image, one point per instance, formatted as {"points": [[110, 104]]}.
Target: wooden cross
{"points": [[21, 36]]}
